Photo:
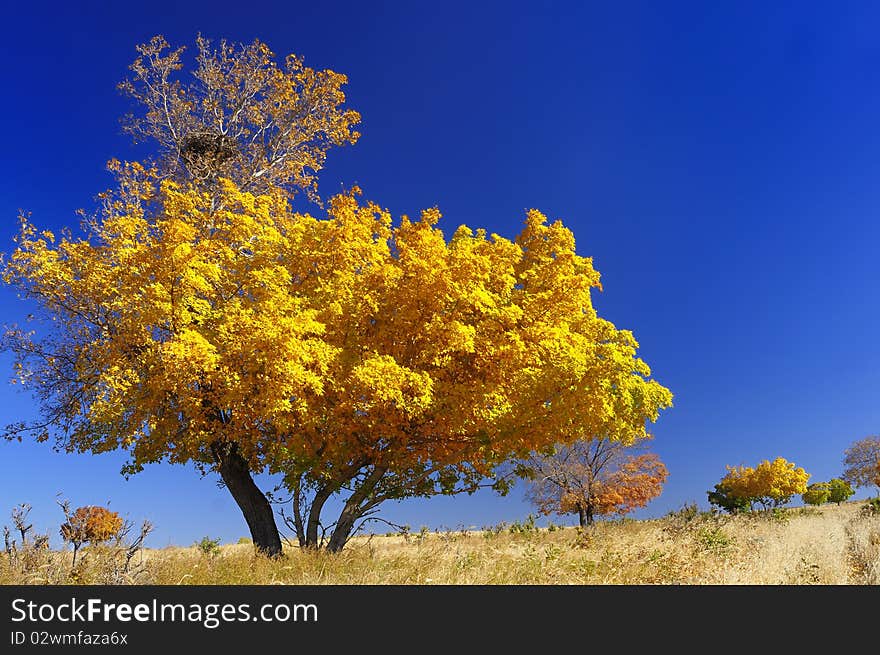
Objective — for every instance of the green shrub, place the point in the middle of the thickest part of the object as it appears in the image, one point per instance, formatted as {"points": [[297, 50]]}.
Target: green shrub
{"points": [[817, 493], [725, 499], [686, 513], [840, 491], [209, 547], [714, 539], [490, 531], [872, 507], [524, 527]]}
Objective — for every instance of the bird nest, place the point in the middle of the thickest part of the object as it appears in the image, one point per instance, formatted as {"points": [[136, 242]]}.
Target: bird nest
{"points": [[207, 154]]}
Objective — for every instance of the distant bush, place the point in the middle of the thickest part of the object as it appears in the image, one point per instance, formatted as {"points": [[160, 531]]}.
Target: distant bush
{"points": [[817, 493], [686, 513], [91, 524], [490, 531], [872, 507], [714, 539], [840, 491], [834, 491], [771, 484], [245, 540], [527, 526], [209, 547], [776, 514], [686, 519]]}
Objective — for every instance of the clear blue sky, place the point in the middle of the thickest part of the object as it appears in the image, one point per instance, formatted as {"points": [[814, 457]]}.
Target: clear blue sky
{"points": [[719, 163]]}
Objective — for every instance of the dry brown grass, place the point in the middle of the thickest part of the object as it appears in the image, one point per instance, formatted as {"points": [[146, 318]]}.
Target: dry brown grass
{"points": [[830, 546]]}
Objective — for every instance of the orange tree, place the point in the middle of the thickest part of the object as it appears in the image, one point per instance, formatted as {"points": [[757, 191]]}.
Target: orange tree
{"points": [[861, 462], [89, 524], [594, 477]]}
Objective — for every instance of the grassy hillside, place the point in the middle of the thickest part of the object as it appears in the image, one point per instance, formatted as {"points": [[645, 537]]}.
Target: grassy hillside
{"points": [[830, 545]]}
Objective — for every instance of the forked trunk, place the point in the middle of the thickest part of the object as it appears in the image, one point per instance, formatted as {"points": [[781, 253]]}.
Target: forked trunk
{"points": [[251, 501], [585, 516], [353, 510]]}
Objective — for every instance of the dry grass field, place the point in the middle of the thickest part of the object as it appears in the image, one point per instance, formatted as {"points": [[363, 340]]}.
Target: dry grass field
{"points": [[827, 546]]}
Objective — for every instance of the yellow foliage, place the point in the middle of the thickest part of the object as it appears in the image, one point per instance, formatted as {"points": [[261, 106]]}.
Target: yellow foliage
{"points": [[320, 343], [770, 483], [92, 524]]}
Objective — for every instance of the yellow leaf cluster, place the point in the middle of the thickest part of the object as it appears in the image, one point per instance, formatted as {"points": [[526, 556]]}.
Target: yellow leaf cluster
{"points": [[91, 523], [770, 483], [316, 343]]}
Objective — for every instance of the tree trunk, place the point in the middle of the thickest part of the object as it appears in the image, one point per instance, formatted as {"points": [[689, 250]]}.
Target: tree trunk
{"points": [[251, 501], [298, 524], [585, 516], [314, 520], [353, 510]]}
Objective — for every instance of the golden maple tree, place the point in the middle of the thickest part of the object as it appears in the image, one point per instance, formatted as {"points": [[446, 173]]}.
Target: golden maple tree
{"points": [[343, 352], [348, 353], [770, 483]]}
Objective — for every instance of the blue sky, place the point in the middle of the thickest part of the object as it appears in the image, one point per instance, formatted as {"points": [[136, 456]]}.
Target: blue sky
{"points": [[717, 162]]}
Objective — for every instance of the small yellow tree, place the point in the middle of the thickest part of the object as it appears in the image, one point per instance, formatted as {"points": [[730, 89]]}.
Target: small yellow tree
{"points": [[770, 483], [735, 488], [775, 483]]}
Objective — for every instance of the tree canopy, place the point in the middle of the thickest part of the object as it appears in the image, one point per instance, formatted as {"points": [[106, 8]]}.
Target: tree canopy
{"points": [[331, 350], [239, 115], [839, 490], [817, 493], [861, 462]]}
